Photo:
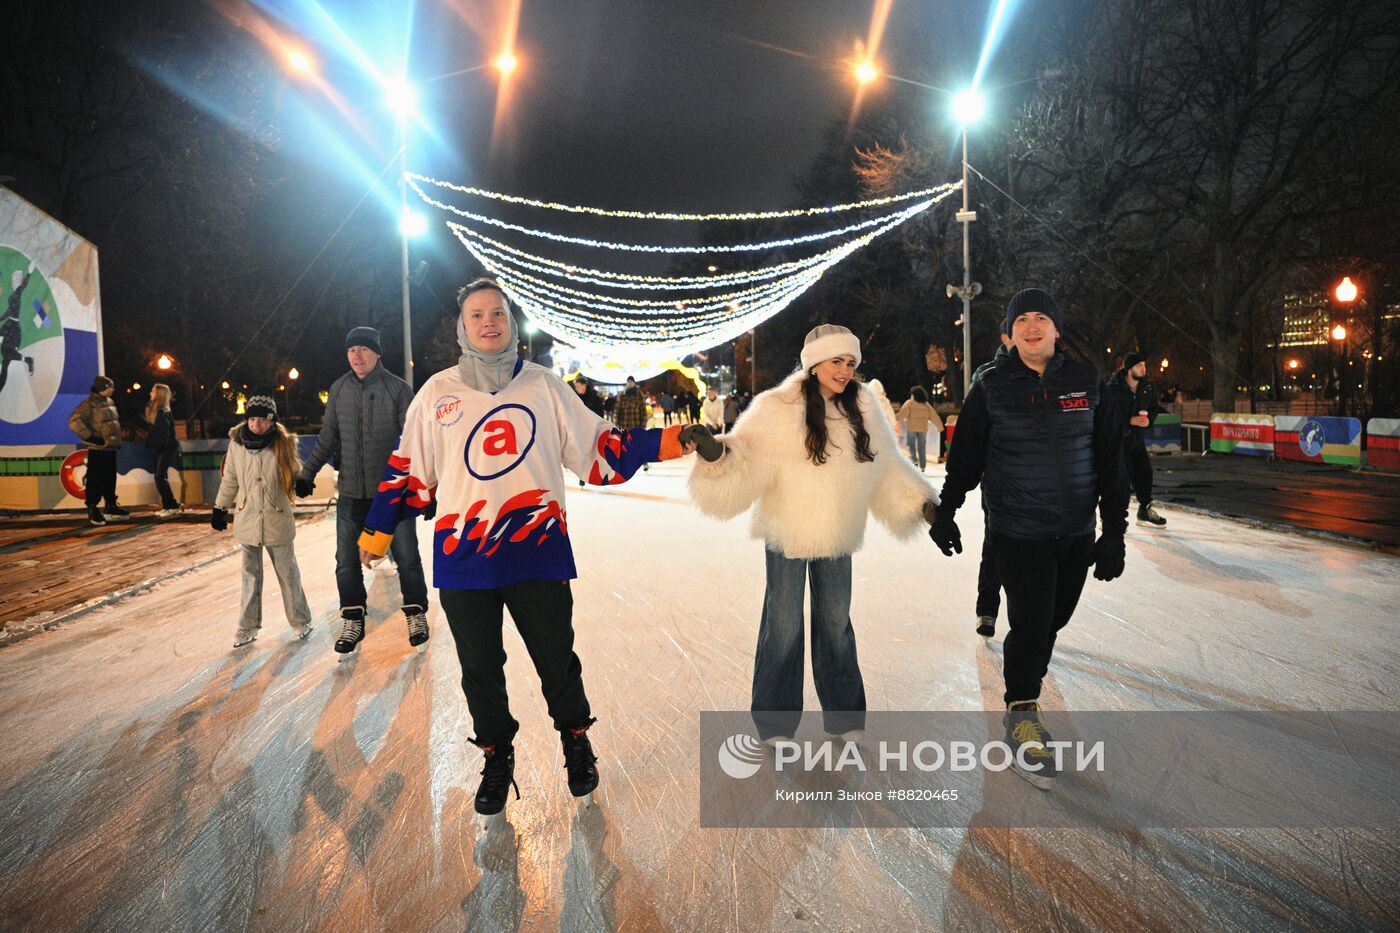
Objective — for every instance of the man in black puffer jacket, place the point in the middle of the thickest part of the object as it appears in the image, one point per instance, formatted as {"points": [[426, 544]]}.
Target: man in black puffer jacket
{"points": [[1045, 441]]}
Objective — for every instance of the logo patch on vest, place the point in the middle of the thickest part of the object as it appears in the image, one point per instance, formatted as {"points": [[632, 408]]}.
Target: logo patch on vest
{"points": [[499, 441], [448, 411], [1075, 401]]}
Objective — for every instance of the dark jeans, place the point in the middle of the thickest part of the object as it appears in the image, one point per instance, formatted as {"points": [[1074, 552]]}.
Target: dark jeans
{"points": [[166, 459], [350, 575], [1139, 463], [988, 580], [101, 481], [778, 664], [1043, 578], [543, 614]]}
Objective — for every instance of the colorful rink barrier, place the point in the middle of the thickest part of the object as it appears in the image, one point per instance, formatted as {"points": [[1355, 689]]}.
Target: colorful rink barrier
{"points": [[1316, 439], [39, 478], [1383, 443], [1235, 433], [1164, 436]]}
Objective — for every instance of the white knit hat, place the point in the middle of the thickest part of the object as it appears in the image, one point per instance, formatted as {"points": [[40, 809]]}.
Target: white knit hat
{"points": [[826, 342]]}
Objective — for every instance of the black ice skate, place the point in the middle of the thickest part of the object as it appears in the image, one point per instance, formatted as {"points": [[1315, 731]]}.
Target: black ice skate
{"points": [[579, 762], [497, 777], [1024, 729], [352, 630], [1146, 514], [417, 627]]}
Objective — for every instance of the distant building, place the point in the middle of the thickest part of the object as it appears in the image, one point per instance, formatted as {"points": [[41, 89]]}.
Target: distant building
{"points": [[1307, 319]]}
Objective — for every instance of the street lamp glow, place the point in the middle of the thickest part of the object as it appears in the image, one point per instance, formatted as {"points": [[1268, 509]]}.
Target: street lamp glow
{"points": [[1339, 333], [866, 72], [164, 362], [968, 106], [1346, 290], [1165, 362], [1293, 364], [413, 224], [294, 374], [224, 385], [402, 97], [506, 62]]}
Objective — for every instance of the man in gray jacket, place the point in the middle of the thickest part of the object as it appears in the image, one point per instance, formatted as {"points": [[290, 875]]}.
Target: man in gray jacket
{"points": [[364, 417]]}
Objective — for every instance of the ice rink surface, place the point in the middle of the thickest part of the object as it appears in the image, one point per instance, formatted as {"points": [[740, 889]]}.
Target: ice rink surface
{"points": [[155, 779]]}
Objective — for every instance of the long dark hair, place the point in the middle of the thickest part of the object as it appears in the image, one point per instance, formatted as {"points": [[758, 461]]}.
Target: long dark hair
{"points": [[847, 403]]}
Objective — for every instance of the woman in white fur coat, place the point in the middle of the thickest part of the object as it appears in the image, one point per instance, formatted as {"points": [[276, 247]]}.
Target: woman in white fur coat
{"points": [[812, 457]]}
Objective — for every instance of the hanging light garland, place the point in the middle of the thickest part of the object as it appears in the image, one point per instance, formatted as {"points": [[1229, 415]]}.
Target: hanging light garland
{"points": [[653, 248], [414, 177], [714, 308]]}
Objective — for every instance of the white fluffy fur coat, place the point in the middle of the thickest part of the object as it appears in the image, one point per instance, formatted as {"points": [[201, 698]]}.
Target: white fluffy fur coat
{"points": [[804, 510]]}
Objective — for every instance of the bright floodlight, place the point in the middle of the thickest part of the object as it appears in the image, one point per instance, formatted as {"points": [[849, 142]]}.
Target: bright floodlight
{"points": [[299, 62], [1346, 290], [530, 327], [164, 362], [402, 97], [866, 72], [413, 224], [968, 106], [506, 62]]}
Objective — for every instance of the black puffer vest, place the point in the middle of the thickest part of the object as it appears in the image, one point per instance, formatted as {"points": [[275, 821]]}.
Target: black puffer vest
{"points": [[1040, 479]]}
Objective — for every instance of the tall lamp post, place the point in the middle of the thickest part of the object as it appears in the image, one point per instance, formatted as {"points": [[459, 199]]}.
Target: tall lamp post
{"points": [[1346, 294], [402, 98], [968, 106]]}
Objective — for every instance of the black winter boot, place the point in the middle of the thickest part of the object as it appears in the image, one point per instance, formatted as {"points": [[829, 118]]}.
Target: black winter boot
{"points": [[497, 777], [579, 760]]}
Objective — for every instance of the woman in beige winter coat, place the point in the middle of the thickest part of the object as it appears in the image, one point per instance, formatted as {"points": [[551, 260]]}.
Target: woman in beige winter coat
{"points": [[259, 478], [918, 416], [813, 457]]}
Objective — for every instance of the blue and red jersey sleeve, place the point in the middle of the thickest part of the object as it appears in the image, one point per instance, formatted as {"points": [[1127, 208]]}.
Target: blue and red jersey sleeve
{"points": [[408, 487]]}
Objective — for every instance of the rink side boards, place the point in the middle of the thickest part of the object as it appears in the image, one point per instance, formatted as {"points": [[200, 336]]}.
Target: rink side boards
{"points": [[1164, 436], [1250, 435], [41, 478], [1316, 439], [1383, 443]]}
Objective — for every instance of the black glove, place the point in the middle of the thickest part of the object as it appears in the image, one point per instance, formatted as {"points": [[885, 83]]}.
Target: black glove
{"points": [[305, 487], [96, 439], [430, 512], [218, 519], [944, 532], [704, 441], [1107, 557]]}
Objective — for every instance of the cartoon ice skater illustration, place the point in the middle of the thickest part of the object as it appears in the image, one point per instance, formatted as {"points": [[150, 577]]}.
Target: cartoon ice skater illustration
{"points": [[9, 326]]}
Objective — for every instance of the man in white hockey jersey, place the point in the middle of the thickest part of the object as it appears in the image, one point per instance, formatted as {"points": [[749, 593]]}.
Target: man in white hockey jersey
{"points": [[486, 440]]}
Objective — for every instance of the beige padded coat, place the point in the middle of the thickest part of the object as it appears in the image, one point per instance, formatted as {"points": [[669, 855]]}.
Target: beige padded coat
{"points": [[251, 484]]}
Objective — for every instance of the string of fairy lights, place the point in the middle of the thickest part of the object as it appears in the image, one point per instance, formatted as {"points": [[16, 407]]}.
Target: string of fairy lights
{"points": [[598, 310]]}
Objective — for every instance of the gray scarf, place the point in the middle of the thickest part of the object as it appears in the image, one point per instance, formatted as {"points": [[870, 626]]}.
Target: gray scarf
{"points": [[487, 372]]}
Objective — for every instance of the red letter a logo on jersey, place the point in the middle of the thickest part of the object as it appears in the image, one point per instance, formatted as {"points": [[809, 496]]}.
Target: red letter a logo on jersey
{"points": [[499, 441]]}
